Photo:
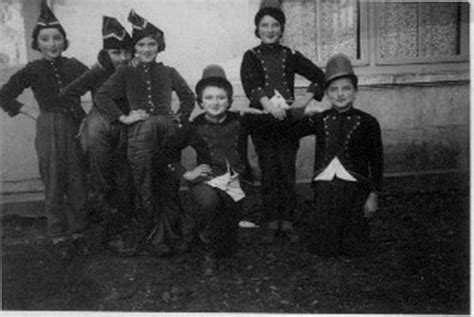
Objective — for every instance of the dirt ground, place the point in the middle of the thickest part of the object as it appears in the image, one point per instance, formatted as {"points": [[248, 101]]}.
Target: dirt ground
{"points": [[418, 263]]}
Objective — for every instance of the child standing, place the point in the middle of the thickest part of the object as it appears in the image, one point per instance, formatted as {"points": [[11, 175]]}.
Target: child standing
{"points": [[348, 166], [267, 71], [214, 184], [59, 153], [103, 141], [148, 87]]}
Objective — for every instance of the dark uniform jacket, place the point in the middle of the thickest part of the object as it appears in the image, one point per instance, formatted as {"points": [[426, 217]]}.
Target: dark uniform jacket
{"points": [[46, 79], [269, 67], [214, 143], [353, 136], [147, 86]]}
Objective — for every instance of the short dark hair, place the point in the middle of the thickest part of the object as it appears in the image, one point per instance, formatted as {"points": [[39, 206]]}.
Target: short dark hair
{"points": [[218, 82], [275, 13], [36, 31]]}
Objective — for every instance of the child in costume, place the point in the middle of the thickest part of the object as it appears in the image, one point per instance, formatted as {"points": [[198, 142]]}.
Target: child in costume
{"points": [[348, 166], [59, 153], [148, 87], [214, 184], [267, 73], [105, 142]]}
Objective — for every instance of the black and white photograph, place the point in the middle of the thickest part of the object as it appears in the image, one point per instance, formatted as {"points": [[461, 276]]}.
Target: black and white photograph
{"points": [[235, 156]]}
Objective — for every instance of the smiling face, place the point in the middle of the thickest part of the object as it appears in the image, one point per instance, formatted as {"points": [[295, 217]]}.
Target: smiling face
{"points": [[146, 49], [215, 102], [51, 43], [269, 30], [341, 93], [119, 57]]}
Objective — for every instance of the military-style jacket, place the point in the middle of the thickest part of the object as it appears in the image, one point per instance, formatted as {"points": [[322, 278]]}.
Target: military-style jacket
{"points": [[46, 78], [269, 67], [147, 86], [353, 136], [91, 81], [215, 143]]}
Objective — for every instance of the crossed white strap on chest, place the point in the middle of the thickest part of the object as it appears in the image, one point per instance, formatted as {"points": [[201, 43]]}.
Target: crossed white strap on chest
{"points": [[229, 183]]}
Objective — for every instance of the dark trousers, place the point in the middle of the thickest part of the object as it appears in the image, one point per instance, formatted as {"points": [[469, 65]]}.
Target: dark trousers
{"points": [[110, 179], [242, 148], [105, 145], [157, 188], [338, 226], [216, 216], [277, 159], [61, 165]]}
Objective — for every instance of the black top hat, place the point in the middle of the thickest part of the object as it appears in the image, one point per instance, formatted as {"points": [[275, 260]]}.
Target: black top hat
{"points": [[338, 66], [214, 75], [142, 28], [114, 35]]}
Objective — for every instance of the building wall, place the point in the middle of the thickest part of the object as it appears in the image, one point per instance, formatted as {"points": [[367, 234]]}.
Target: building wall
{"points": [[424, 118]]}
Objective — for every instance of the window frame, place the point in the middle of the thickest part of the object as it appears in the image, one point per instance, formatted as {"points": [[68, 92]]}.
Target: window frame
{"points": [[364, 30]]}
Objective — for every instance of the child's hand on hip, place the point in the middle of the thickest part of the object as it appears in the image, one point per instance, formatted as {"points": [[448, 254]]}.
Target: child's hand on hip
{"points": [[134, 116]]}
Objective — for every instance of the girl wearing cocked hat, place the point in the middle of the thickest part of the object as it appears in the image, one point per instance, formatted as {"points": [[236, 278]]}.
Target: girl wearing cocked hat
{"points": [[105, 142], [267, 73], [148, 86], [348, 166], [59, 154]]}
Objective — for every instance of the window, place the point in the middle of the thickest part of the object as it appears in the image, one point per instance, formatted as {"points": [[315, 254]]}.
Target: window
{"points": [[378, 33], [423, 31]]}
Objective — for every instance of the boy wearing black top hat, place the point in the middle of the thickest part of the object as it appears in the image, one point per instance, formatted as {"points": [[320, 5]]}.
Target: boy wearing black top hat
{"points": [[105, 142], [148, 87], [59, 154], [348, 166]]}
